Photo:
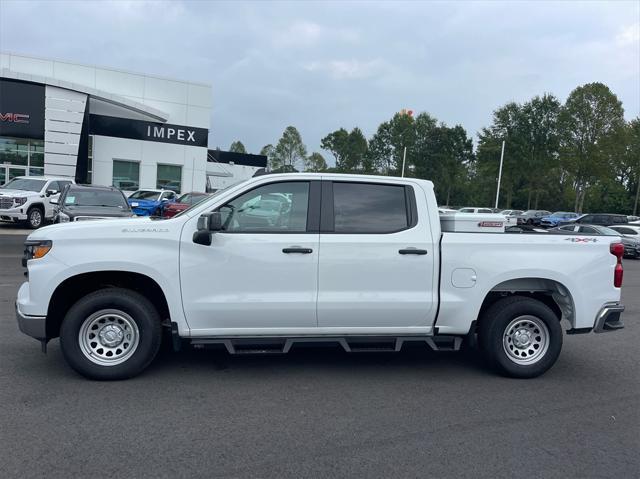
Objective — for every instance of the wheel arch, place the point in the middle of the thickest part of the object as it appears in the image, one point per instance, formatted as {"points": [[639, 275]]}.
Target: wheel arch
{"points": [[68, 292], [549, 291]]}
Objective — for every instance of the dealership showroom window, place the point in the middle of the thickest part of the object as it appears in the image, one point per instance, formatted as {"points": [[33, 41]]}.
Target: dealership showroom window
{"points": [[20, 157]]}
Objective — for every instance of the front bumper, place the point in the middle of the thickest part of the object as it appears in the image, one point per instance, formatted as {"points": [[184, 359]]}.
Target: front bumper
{"points": [[13, 215], [34, 326], [609, 318]]}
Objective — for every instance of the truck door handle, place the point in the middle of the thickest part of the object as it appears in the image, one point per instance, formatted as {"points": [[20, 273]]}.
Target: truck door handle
{"points": [[297, 249], [412, 251]]}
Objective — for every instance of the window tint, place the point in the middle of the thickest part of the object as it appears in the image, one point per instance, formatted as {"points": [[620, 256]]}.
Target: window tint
{"points": [[586, 219], [600, 220], [625, 231], [368, 208], [619, 219], [484, 210], [53, 186], [466, 210], [587, 229], [273, 208]]}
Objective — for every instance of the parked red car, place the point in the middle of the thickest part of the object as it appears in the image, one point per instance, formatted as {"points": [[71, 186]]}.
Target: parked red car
{"points": [[182, 203]]}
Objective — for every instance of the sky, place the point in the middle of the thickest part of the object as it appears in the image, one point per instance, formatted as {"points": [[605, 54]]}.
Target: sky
{"points": [[320, 66]]}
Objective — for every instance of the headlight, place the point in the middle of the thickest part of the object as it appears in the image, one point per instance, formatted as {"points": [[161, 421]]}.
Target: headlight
{"points": [[35, 249], [63, 217], [19, 201]]}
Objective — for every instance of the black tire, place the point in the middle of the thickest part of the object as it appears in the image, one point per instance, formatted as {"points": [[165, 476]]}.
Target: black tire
{"points": [[130, 306], [35, 217], [494, 339]]}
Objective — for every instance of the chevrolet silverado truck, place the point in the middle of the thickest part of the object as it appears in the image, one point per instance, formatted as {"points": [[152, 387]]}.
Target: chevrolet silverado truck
{"points": [[361, 261]]}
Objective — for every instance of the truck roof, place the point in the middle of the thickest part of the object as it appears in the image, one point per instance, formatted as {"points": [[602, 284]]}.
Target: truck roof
{"points": [[345, 176]]}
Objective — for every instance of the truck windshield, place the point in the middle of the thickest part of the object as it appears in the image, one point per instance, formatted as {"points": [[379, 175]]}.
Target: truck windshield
{"points": [[95, 198], [24, 184]]}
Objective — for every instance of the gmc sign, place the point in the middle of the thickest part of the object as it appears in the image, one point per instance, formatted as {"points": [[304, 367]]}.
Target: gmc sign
{"points": [[21, 109], [14, 117]]}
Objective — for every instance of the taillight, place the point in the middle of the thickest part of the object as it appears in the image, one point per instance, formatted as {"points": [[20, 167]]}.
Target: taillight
{"points": [[617, 249]]}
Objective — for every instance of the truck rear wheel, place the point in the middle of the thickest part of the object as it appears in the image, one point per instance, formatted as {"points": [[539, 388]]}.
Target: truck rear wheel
{"points": [[112, 333], [521, 337]]}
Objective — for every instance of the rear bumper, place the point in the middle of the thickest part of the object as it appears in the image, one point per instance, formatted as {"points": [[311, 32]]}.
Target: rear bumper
{"points": [[34, 326], [609, 318]]}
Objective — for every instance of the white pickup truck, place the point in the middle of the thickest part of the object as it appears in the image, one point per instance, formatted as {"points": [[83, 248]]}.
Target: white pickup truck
{"points": [[283, 259]]}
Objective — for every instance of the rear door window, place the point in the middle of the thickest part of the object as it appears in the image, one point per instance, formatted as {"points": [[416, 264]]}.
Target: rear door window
{"points": [[369, 208]]}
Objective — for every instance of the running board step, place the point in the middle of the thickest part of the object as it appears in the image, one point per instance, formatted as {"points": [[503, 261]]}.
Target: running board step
{"points": [[351, 344]]}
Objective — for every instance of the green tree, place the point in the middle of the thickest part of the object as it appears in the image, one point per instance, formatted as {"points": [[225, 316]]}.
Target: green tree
{"points": [[290, 151], [349, 150], [591, 116], [507, 126], [315, 163], [268, 151], [633, 157], [386, 148], [540, 127], [237, 147]]}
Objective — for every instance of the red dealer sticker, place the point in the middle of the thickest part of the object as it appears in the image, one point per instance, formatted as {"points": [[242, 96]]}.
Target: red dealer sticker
{"points": [[490, 224]]}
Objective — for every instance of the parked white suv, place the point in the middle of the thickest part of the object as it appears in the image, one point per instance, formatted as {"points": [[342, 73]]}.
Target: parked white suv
{"points": [[27, 199]]}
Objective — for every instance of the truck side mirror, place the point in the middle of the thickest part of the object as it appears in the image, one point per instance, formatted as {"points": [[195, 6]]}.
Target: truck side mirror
{"points": [[208, 223], [51, 192]]}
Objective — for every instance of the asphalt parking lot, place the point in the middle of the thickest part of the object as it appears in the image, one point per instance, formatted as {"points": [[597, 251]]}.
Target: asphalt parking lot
{"points": [[321, 412]]}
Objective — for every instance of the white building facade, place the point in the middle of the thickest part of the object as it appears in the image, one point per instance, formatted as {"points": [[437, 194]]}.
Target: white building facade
{"points": [[102, 126]]}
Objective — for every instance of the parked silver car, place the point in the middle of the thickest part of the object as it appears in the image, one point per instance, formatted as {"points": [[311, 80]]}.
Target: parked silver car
{"points": [[532, 217]]}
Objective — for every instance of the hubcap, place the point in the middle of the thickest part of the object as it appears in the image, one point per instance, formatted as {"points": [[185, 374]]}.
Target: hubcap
{"points": [[108, 337], [526, 339], [36, 218]]}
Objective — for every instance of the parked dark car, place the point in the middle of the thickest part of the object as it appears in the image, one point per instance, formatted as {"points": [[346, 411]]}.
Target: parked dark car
{"points": [[631, 245], [532, 217], [602, 219], [84, 202], [182, 203]]}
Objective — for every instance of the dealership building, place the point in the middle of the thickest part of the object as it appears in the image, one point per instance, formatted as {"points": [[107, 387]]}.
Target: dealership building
{"points": [[109, 127]]}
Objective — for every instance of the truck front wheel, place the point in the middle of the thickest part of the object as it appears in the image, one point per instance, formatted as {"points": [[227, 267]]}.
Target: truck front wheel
{"points": [[521, 337], [109, 334]]}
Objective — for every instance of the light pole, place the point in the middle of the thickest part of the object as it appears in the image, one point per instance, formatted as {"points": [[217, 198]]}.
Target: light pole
{"points": [[500, 175], [404, 159], [409, 113]]}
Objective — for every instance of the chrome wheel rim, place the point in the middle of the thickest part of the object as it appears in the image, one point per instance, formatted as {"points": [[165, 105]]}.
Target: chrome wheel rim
{"points": [[526, 340], [108, 337], [36, 218]]}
